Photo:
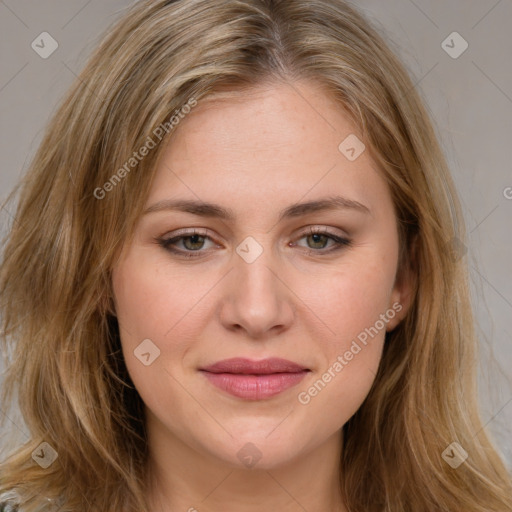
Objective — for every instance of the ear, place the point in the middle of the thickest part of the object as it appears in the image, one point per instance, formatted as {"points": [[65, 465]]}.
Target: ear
{"points": [[404, 287]]}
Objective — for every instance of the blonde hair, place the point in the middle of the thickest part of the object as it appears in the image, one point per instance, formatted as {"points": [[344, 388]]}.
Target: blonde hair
{"points": [[67, 369]]}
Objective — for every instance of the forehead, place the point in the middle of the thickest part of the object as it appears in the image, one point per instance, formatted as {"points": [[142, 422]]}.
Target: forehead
{"points": [[268, 113], [262, 145]]}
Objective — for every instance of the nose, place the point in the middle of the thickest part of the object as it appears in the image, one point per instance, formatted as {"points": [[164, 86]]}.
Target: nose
{"points": [[256, 299]]}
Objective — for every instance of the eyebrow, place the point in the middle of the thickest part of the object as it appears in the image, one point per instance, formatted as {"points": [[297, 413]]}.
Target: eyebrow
{"points": [[205, 209]]}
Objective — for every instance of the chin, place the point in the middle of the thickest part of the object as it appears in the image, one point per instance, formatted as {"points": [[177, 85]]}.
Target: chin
{"points": [[259, 449], [254, 455]]}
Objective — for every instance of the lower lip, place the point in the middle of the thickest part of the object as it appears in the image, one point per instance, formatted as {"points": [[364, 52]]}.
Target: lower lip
{"points": [[255, 387]]}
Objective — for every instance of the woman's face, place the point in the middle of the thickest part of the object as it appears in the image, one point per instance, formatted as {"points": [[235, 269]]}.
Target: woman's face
{"points": [[301, 315]]}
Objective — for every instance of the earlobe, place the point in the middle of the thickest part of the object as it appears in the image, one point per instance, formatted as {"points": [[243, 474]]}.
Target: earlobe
{"points": [[400, 303], [404, 289], [395, 315]]}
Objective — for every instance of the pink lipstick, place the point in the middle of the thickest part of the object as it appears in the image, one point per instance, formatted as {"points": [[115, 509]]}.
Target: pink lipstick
{"points": [[254, 380]]}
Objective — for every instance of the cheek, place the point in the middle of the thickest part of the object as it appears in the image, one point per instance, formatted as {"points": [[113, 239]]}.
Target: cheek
{"points": [[354, 304], [356, 310], [169, 307], [355, 307], [153, 307], [336, 395], [350, 300], [151, 304], [148, 307]]}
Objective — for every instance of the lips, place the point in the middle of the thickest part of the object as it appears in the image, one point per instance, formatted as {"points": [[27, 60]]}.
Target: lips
{"points": [[254, 380], [240, 365]]}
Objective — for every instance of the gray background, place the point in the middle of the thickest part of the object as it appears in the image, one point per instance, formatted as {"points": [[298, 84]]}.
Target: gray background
{"points": [[470, 99]]}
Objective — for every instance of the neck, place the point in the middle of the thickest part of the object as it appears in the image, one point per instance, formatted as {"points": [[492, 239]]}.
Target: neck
{"points": [[182, 478]]}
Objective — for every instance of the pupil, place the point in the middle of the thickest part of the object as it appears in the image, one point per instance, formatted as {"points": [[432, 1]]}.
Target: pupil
{"points": [[194, 240], [316, 237]]}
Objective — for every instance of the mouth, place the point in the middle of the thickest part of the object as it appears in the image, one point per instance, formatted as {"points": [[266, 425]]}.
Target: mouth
{"points": [[254, 380]]}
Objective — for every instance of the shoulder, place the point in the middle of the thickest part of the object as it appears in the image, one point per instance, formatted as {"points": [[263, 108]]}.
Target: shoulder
{"points": [[9, 501], [7, 507]]}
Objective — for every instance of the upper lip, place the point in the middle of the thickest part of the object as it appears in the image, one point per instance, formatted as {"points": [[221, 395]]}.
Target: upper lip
{"points": [[268, 366]]}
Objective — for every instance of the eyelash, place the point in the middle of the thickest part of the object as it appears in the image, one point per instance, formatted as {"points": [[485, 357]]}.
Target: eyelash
{"points": [[167, 243]]}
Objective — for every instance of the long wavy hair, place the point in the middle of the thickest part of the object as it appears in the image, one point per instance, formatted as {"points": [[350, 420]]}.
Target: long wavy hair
{"points": [[60, 334]]}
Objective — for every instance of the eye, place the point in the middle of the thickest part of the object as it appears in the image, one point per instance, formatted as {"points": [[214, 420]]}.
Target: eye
{"points": [[319, 237], [192, 242]]}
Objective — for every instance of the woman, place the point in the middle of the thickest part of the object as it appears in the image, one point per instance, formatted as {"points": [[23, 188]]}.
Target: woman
{"points": [[243, 236]]}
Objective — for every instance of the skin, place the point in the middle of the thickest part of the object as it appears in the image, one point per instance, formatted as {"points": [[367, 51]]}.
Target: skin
{"points": [[257, 152]]}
